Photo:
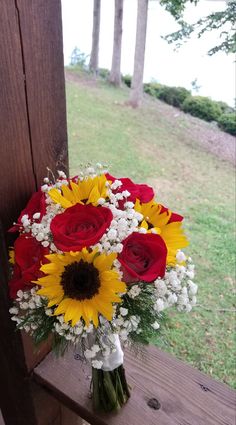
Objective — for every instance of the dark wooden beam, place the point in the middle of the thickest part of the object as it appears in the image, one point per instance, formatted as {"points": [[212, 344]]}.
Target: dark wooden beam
{"points": [[32, 100], [15, 396], [17, 180], [33, 136], [41, 38]]}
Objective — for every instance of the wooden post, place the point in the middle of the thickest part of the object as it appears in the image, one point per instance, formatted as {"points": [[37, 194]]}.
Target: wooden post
{"points": [[33, 136], [15, 396]]}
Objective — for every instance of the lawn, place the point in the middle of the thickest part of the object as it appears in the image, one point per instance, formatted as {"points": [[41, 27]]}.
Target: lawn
{"points": [[148, 145]]}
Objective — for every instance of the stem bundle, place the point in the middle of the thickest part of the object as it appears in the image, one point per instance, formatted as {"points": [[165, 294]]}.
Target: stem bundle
{"points": [[110, 389]]}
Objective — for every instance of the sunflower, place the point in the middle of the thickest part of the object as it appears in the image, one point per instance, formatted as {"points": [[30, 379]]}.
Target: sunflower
{"points": [[171, 232], [81, 285], [87, 191]]}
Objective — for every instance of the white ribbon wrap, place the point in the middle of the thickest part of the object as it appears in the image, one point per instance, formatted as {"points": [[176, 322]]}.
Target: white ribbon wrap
{"points": [[110, 361], [115, 359]]}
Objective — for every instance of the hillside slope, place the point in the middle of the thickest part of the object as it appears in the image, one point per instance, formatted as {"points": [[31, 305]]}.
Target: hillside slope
{"points": [[173, 152]]}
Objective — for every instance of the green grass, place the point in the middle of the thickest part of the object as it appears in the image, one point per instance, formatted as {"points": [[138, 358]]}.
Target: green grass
{"points": [[147, 145]]}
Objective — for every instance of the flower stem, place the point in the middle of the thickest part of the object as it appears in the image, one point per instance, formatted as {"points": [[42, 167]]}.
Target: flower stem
{"points": [[110, 389]]}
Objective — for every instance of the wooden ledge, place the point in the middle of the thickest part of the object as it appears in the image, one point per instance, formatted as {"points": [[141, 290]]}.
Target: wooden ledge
{"points": [[186, 396]]}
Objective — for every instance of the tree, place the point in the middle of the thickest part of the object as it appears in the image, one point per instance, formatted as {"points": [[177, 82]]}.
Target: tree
{"points": [[137, 79], [176, 8], [78, 58], [195, 85], [115, 75], [224, 20], [93, 63]]}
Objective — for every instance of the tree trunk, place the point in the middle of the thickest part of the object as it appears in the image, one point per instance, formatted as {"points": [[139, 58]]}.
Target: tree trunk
{"points": [[137, 79], [93, 63], [115, 75]]}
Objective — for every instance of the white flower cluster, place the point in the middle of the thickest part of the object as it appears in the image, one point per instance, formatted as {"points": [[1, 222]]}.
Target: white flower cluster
{"points": [[41, 231], [124, 221], [177, 288], [27, 301], [125, 326], [72, 334], [88, 170], [134, 291]]}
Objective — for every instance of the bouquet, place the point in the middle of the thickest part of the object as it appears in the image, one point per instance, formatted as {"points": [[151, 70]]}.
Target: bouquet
{"points": [[96, 264]]}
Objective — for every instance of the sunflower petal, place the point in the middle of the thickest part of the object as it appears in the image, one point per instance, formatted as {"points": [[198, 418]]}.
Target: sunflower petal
{"points": [[62, 306]]}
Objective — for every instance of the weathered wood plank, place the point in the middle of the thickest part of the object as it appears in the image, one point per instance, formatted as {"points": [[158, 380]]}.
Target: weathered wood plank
{"points": [[17, 180], [187, 396], [41, 32], [32, 136], [15, 396]]}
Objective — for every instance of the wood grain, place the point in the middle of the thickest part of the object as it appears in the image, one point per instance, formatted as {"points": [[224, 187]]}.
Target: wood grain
{"points": [[17, 180], [15, 396], [32, 136], [41, 32], [186, 396]]}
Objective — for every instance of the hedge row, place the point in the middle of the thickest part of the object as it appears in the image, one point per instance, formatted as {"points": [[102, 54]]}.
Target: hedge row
{"points": [[198, 106]]}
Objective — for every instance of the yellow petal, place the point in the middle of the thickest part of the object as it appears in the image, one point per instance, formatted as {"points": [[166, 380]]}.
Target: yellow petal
{"points": [[48, 280], [68, 194], [62, 306], [55, 301], [51, 268], [104, 262], [56, 196], [105, 309], [76, 192]]}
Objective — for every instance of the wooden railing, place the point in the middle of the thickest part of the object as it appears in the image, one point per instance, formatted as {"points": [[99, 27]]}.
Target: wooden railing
{"points": [[164, 391]]}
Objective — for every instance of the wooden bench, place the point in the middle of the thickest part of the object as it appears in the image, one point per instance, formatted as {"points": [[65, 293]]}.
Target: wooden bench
{"points": [[186, 396]]}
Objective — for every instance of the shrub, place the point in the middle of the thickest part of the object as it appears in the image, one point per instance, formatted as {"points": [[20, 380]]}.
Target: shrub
{"points": [[104, 73], [225, 109], [153, 89], [202, 107], [174, 96], [227, 122], [127, 79]]}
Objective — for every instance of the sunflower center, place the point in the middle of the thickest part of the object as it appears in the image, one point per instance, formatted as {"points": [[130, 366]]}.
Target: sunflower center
{"points": [[80, 280]]}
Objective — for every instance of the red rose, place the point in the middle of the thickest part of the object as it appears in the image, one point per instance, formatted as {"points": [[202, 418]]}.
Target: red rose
{"points": [[143, 257], [80, 226], [174, 216], [29, 255], [143, 192], [36, 204]]}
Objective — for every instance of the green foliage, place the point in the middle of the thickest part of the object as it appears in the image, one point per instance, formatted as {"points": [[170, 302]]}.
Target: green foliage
{"points": [[44, 329], [127, 79], [195, 86], [202, 107], [142, 306], [174, 96], [198, 106], [104, 73], [78, 58], [225, 108], [153, 89], [176, 7], [227, 122], [224, 20]]}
